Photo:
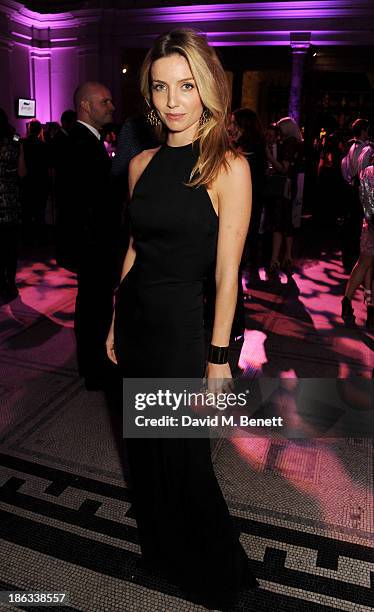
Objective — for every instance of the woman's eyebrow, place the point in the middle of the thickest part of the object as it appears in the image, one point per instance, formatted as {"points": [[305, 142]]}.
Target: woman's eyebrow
{"points": [[180, 80]]}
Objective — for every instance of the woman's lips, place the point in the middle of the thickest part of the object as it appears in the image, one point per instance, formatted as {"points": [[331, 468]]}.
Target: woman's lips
{"points": [[175, 117]]}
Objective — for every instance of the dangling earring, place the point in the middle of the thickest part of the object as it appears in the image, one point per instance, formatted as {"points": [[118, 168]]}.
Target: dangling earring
{"points": [[153, 118], [206, 115]]}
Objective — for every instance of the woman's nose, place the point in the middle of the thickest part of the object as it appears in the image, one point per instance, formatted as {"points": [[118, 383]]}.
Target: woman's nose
{"points": [[172, 98]]}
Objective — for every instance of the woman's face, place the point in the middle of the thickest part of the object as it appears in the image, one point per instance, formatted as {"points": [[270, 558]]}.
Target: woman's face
{"points": [[175, 95], [234, 130]]}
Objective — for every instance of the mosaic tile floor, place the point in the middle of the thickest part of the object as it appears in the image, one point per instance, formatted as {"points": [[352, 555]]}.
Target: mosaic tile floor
{"points": [[305, 509]]}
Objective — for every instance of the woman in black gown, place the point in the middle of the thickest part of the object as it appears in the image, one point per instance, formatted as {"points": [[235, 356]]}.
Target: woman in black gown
{"points": [[190, 209]]}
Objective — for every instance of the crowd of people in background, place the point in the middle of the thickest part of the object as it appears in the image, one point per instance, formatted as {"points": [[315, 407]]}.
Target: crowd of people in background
{"points": [[356, 168], [12, 169], [41, 185]]}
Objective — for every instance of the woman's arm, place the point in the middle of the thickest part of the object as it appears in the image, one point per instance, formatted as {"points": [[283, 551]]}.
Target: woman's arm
{"points": [[136, 168], [234, 190], [128, 261], [127, 265]]}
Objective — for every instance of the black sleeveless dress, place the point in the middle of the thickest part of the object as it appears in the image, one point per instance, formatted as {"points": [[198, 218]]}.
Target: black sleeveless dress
{"points": [[183, 522]]}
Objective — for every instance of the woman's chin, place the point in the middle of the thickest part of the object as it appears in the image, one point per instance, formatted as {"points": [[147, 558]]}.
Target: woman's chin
{"points": [[173, 126]]}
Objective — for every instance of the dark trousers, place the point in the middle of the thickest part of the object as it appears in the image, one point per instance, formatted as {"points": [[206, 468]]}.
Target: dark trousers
{"points": [[94, 309], [9, 236], [67, 239], [34, 204]]}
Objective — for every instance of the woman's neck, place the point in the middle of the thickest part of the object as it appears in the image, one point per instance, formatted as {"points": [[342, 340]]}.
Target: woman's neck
{"points": [[180, 139]]}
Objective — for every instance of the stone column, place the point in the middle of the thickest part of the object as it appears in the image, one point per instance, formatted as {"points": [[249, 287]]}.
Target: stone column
{"points": [[40, 77], [300, 44]]}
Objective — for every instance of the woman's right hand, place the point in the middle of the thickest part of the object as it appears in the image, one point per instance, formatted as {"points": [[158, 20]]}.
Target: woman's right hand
{"points": [[110, 345]]}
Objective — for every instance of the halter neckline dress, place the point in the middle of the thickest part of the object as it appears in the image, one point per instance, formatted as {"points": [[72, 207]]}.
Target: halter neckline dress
{"points": [[183, 522]]}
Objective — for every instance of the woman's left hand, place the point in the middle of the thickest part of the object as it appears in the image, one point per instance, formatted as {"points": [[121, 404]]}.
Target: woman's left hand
{"points": [[218, 370], [218, 377]]}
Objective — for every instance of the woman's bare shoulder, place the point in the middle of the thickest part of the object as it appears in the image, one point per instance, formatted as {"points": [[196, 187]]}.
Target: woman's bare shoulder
{"points": [[236, 166], [236, 160], [140, 161], [232, 183], [138, 164]]}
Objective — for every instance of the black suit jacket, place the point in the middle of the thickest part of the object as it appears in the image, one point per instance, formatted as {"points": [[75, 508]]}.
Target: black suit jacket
{"points": [[88, 188]]}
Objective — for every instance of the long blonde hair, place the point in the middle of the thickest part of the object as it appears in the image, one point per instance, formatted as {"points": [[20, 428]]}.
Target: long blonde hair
{"points": [[213, 88]]}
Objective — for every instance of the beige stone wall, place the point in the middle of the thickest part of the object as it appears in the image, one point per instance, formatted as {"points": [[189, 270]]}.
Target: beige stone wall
{"points": [[230, 78], [256, 87], [252, 80]]}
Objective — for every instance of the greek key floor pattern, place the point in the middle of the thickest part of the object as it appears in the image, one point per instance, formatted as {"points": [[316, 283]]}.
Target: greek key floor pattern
{"points": [[304, 509]]}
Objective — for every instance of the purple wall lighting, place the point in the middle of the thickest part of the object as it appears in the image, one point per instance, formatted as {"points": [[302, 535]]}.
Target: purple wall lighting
{"points": [[330, 22], [46, 55], [264, 11], [40, 60]]}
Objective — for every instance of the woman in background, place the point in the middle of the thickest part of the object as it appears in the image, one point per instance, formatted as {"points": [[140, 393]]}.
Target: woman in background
{"points": [[331, 185], [290, 155], [249, 138], [363, 269], [35, 185]]}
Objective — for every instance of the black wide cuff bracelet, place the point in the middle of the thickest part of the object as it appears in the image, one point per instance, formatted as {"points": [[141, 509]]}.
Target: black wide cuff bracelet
{"points": [[218, 354]]}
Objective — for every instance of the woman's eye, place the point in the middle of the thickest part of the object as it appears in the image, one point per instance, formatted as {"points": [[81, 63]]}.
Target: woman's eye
{"points": [[187, 86], [158, 86]]}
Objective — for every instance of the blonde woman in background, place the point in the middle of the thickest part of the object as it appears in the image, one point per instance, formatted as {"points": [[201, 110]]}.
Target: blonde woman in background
{"points": [[190, 210], [363, 269], [288, 163]]}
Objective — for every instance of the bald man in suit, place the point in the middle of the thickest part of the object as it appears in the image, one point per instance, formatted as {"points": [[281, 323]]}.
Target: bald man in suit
{"points": [[96, 220]]}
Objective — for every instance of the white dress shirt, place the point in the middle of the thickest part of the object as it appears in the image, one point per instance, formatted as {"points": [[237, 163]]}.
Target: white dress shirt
{"points": [[91, 128]]}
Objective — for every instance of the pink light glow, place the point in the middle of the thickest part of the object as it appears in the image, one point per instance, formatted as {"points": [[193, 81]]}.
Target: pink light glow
{"points": [[39, 283], [40, 64], [314, 317], [58, 40], [253, 353], [273, 43], [44, 312], [331, 488], [21, 35], [41, 21]]}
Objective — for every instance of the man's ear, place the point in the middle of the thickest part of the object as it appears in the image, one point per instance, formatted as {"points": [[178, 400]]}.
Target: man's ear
{"points": [[85, 105]]}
